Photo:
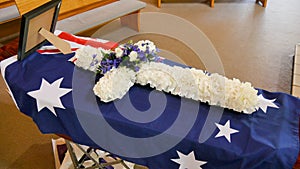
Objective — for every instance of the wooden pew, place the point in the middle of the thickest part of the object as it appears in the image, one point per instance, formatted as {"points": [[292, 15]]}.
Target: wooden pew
{"points": [[72, 9]]}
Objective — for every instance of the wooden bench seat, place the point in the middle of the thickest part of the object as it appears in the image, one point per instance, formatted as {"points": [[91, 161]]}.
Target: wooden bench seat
{"points": [[75, 16], [9, 20], [73, 7], [6, 3], [127, 10]]}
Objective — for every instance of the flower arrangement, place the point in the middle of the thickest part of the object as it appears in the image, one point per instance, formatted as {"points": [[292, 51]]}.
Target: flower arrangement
{"points": [[137, 63], [130, 55], [195, 84], [114, 84]]}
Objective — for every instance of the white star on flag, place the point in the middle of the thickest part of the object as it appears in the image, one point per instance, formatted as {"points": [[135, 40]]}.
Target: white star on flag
{"points": [[49, 95], [264, 103], [225, 131], [188, 161]]}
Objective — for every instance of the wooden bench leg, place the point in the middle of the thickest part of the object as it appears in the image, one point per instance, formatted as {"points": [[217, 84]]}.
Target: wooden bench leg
{"points": [[263, 2], [212, 3], [158, 3], [132, 20]]}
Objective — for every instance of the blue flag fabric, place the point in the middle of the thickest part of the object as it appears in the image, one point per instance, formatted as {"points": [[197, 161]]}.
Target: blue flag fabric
{"points": [[181, 134]]}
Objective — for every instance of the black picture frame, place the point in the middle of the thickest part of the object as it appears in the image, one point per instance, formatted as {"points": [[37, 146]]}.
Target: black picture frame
{"points": [[30, 29]]}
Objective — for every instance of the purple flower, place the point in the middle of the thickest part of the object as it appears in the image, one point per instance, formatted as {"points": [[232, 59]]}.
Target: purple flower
{"points": [[136, 68], [132, 56]]}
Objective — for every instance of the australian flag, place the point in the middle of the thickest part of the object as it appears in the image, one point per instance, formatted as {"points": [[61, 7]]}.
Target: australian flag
{"points": [[148, 127]]}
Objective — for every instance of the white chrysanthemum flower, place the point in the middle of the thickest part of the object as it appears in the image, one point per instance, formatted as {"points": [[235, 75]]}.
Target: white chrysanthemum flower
{"points": [[241, 97], [119, 52], [195, 84], [105, 51], [114, 84], [139, 43], [151, 46], [88, 58], [217, 89], [133, 56], [157, 75], [143, 45], [148, 42], [203, 83], [186, 86]]}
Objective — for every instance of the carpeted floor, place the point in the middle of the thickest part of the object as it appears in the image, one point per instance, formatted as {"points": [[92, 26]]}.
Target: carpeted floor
{"points": [[255, 44], [9, 49]]}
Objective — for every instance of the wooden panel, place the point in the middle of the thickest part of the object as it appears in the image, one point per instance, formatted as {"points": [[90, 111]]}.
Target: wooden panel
{"points": [[297, 54], [25, 6], [6, 3], [72, 7], [296, 80], [296, 91], [68, 8], [296, 73], [3, 1], [297, 69], [132, 21], [10, 27]]}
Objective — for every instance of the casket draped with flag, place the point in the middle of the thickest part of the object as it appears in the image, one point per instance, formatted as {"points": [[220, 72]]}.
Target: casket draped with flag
{"points": [[185, 134]]}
